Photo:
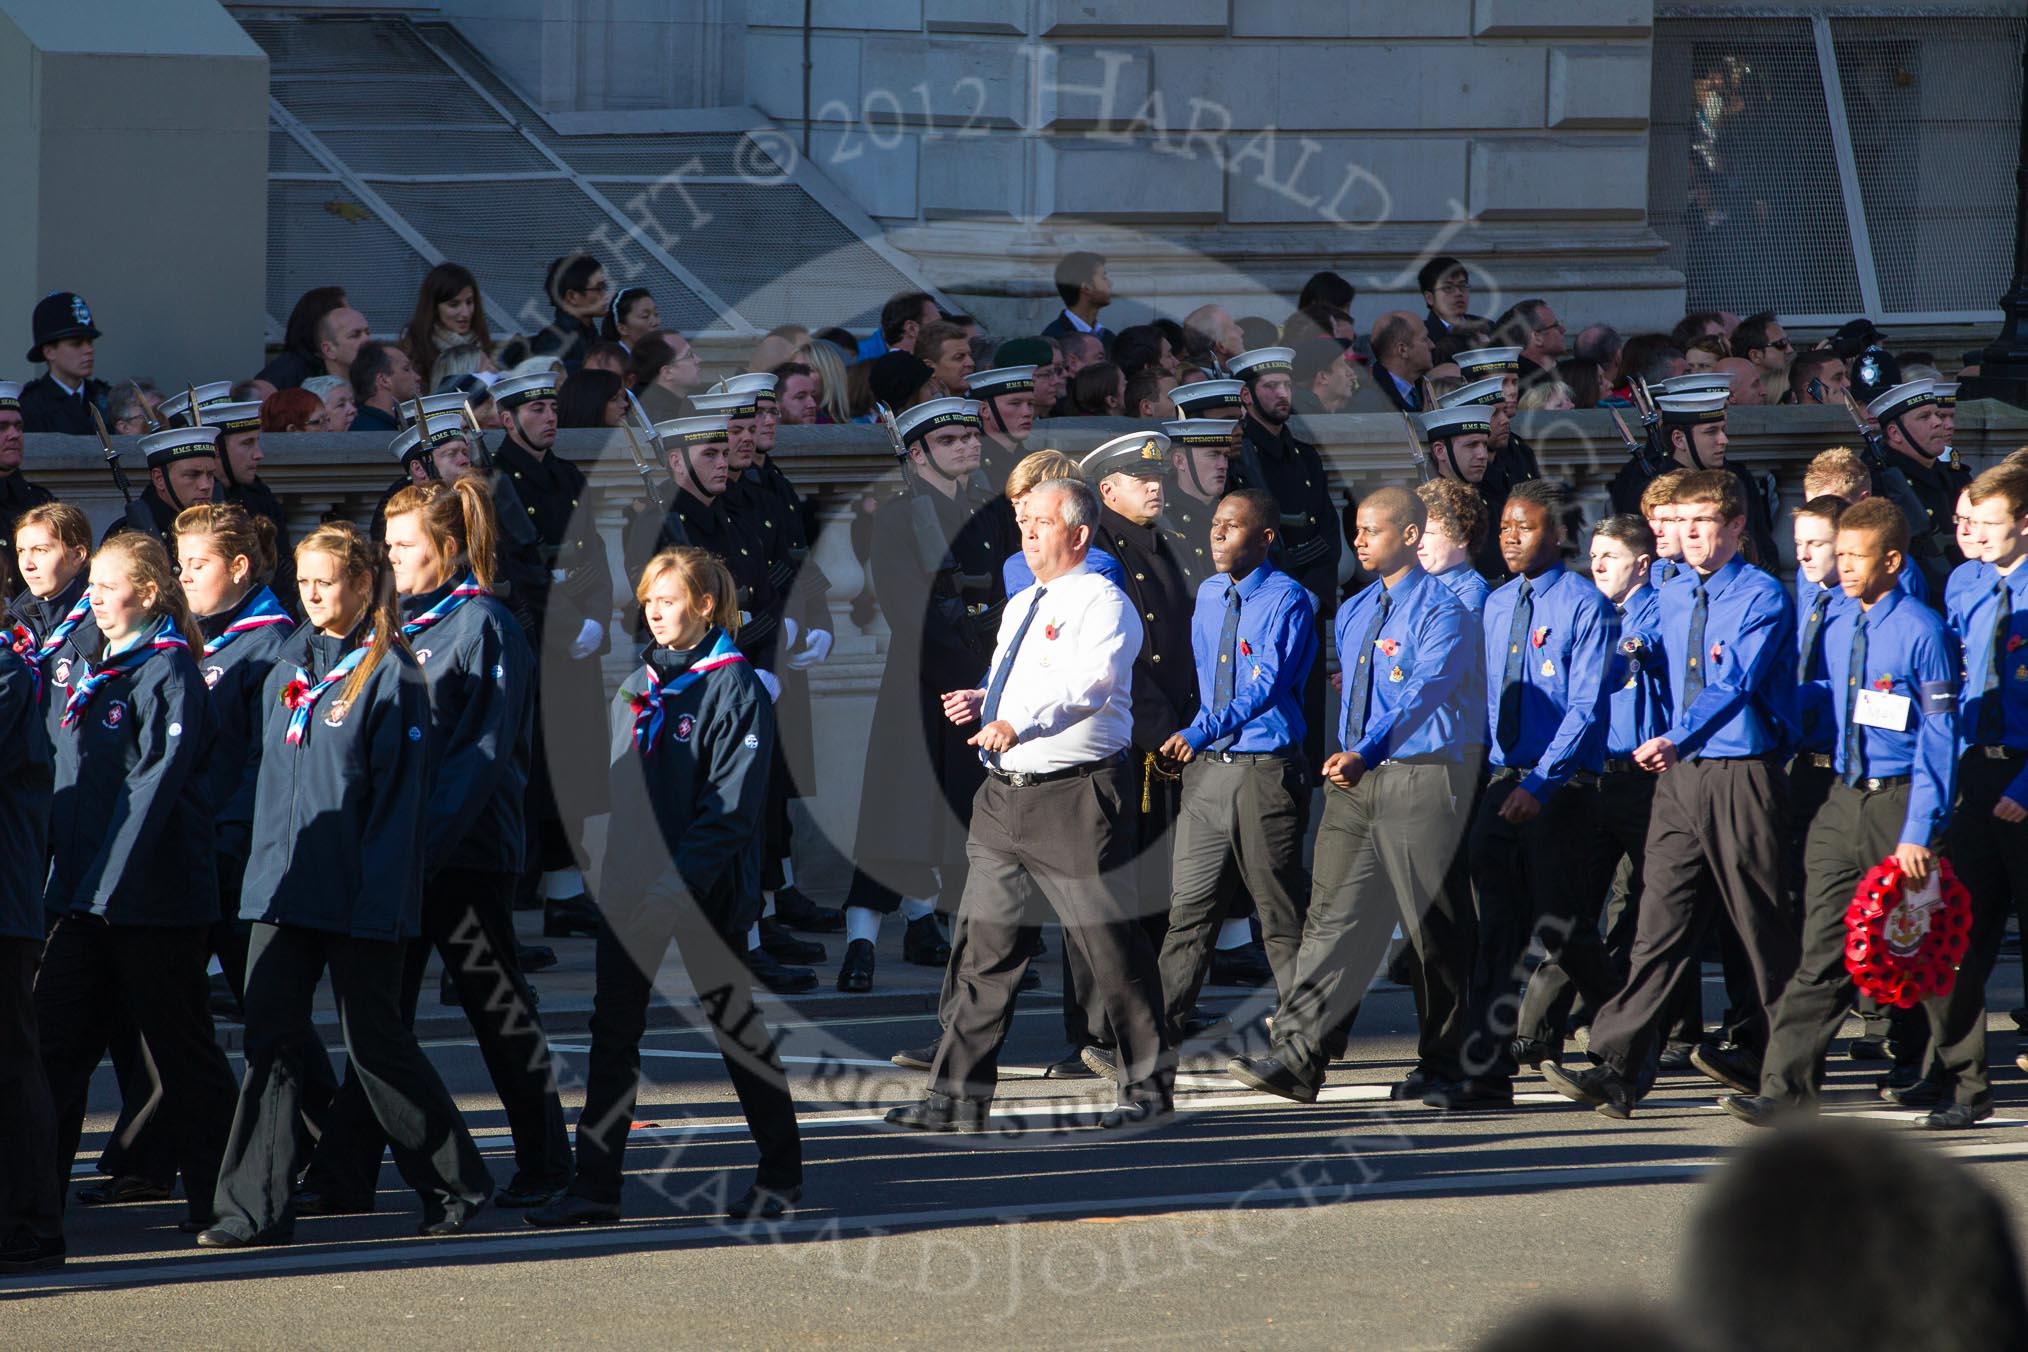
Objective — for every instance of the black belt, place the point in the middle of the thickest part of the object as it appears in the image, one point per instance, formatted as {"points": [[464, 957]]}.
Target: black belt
{"points": [[1622, 767], [1249, 757], [1816, 760], [1875, 783], [2000, 752], [1583, 779], [1022, 779], [1429, 758]]}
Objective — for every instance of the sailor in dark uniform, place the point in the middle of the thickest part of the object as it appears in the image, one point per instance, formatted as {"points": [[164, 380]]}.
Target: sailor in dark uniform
{"points": [[61, 399], [1218, 398], [239, 461], [1006, 396], [1200, 456], [17, 495], [936, 563], [1513, 460], [1460, 434], [182, 472], [1692, 410], [1913, 427]]}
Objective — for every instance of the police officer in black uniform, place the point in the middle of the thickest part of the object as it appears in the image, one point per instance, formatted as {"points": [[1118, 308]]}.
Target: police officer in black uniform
{"points": [[61, 399], [17, 495], [572, 600]]}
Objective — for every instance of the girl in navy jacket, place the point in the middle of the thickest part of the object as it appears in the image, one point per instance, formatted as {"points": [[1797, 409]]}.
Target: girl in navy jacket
{"points": [[334, 879]]}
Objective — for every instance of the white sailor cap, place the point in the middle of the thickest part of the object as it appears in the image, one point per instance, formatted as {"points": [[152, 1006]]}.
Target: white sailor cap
{"points": [[917, 423], [10, 394], [1688, 410], [1214, 433], [1489, 361], [1946, 392], [163, 448], [1000, 380], [700, 431], [1262, 361], [231, 418], [1698, 382], [1491, 390], [441, 427], [1145, 454], [433, 404], [210, 393], [1441, 424], [1899, 400], [1200, 396], [517, 390], [729, 403], [759, 384]]}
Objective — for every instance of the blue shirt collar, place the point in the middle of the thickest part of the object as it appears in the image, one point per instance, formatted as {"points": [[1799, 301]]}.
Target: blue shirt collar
{"points": [[1251, 584], [1716, 584], [1404, 591], [1881, 608]]}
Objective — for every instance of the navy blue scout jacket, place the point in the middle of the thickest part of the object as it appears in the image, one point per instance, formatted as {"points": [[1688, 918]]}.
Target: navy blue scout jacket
{"points": [[338, 821], [694, 799], [236, 674], [482, 720], [25, 777], [130, 831], [67, 665]]}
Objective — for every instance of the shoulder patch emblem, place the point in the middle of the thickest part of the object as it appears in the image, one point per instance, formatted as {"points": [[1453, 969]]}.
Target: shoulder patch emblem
{"points": [[752, 742]]}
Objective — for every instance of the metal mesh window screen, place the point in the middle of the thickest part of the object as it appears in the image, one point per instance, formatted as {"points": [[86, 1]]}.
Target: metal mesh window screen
{"points": [[1742, 181], [1932, 109], [416, 97], [333, 46], [320, 235], [721, 155], [432, 150], [286, 156]]}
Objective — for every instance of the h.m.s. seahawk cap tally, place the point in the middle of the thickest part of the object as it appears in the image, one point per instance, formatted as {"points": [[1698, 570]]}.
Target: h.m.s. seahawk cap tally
{"points": [[1912, 394], [1201, 396], [999, 380], [917, 423], [518, 390], [1144, 454], [164, 448], [1463, 420], [442, 429], [1262, 361], [1480, 362], [1690, 410], [1491, 390]]}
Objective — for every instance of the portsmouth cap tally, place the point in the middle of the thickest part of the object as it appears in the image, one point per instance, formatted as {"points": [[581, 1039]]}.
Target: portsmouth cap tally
{"points": [[1489, 361], [699, 431], [1208, 433]]}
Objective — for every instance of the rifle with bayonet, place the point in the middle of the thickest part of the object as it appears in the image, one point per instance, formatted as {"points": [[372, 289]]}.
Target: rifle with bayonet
{"points": [[1653, 449], [136, 513]]}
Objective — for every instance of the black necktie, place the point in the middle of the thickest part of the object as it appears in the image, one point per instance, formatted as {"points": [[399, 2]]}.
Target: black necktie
{"points": [[1813, 626], [991, 709], [1992, 712], [1228, 662], [1362, 671], [1693, 669], [1669, 570], [1509, 730], [1855, 740]]}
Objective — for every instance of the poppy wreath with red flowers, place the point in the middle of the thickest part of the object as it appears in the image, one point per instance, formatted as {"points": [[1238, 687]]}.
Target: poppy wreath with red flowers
{"points": [[1900, 956]]}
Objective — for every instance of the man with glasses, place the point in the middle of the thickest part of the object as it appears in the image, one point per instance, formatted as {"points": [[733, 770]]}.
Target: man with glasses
{"points": [[1761, 340], [1447, 290]]}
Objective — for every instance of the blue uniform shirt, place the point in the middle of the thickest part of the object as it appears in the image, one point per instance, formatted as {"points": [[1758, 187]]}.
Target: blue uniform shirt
{"points": [[1911, 654], [1973, 613], [1562, 712], [1427, 671], [1814, 724], [1466, 584], [1748, 661], [1275, 646], [1637, 681], [1664, 571]]}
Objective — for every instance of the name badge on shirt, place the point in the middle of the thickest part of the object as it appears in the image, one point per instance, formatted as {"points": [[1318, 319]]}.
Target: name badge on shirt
{"points": [[1878, 709]]}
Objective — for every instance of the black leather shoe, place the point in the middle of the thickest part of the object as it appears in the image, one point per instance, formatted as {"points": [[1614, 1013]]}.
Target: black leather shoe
{"points": [[1868, 1049], [1031, 979], [923, 943], [522, 1193], [1757, 1110], [2020, 1018], [915, 1058], [1101, 1061], [1198, 1024], [1675, 1060], [1600, 1086], [1272, 1075], [565, 1210], [532, 958], [1733, 1067], [316, 1202], [22, 1250], [797, 911], [1070, 1066], [1471, 1095], [1246, 965], [1412, 1086], [1531, 1052], [125, 1188], [1137, 1113], [776, 977], [452, 1222], [766, 1204], [787, 947], [1955, 1117], [220, 1238], [1921, 1094], [855, 974], [941, 1112], [572, 916]]}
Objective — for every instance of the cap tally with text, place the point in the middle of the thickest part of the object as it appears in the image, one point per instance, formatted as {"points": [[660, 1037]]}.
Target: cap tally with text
{"points": [[1000, 380], [917, 423], [1491, 390], [442, 428], [759, 384], [1902, 398], [1441, 424], [1692, 410], [433, 404], [164, 448], [231, 418], [727, 404], [1261, 361], [1489, 361], [1143, 454], [60, 315], [1199, 397], [210, 393], [1214, 434], [1698, 382], [10, 395], [700, 431], [518, 390], [1946, 392]]}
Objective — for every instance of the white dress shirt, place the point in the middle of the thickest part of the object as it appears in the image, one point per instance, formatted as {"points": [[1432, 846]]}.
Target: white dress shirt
{"points": [[1069, 693]]}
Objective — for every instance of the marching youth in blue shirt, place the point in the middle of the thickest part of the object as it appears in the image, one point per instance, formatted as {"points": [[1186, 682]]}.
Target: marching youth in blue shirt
{"points": [[1270, 653], [1422, 694], [1983, 600], [1911, 658], [1552, 722], [1731, 663], [1637, 678], [1817, 604]]}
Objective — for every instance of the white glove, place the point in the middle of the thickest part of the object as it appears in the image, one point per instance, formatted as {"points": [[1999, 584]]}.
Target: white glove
{"points": [[767, 678], [587, 641], [788, 633], [816, 647]]}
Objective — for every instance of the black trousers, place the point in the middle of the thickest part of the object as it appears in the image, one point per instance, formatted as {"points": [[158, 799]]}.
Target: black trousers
{"points": [[1071, 840], [1714, 839], [432, 1148], [1809, 785], [1523, 873], [31, 1190], [94, 974], [467, 918], [1157, 798], [631, 945], [1246, 818], [1853, 831], [1384, 848], [1991, 859], [777, 833]]}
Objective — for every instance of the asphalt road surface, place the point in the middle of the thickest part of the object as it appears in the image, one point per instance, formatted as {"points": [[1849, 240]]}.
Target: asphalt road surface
{"points": [[1247, 1222]]}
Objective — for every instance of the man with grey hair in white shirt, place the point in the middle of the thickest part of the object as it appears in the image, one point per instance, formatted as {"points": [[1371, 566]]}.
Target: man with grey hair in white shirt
{"points": [[1055, 816]]}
